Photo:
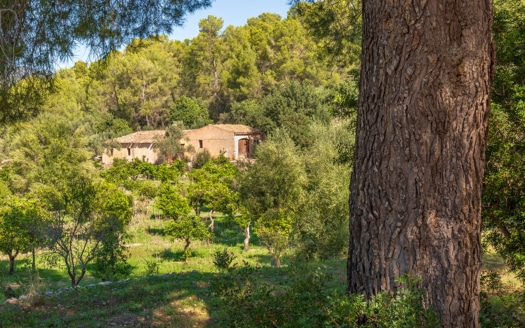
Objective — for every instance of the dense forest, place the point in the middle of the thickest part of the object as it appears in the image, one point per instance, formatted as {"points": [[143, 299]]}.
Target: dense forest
{"points": [[296, 79], [268, 74]]}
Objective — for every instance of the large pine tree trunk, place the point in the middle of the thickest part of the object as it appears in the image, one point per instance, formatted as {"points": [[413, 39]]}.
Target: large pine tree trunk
{"points": [[416, 185]]}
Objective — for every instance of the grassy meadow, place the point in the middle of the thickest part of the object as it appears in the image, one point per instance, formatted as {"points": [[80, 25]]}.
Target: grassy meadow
{"points": [[162, 291], [165, 291]]}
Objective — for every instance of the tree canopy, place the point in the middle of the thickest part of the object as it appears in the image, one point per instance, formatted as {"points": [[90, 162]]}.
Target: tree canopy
{"points": [[503, 185], [36, 34]]}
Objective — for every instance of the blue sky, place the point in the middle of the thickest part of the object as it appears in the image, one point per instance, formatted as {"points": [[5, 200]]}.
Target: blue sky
{"points": [[233, 12]]}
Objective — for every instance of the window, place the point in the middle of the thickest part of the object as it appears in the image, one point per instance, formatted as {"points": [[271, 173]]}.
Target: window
{"points": [[129, 151], [200, 144]]}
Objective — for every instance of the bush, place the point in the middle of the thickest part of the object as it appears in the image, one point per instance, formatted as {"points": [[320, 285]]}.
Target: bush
{"points": [[111, 263], [223, 260], [501, 305], [201, 158], [152, 268], [308, 302]]}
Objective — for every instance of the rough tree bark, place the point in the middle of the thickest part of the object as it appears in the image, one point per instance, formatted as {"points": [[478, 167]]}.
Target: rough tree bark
{"points": [[416, 185]]}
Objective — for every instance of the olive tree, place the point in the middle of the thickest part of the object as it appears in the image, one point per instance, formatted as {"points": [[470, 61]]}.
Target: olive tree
{"points": [[272, 191]]}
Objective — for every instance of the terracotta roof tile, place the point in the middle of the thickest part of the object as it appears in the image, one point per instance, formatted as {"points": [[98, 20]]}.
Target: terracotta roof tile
{"points": [[236, 128], [151, 136]]}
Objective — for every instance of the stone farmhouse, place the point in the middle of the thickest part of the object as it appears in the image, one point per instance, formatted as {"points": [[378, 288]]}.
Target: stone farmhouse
{"points": [[234, 141], [139, 145]]}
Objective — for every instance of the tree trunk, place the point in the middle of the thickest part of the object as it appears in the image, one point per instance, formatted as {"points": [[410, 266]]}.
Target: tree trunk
{"points": [[276, 257], [72, 277], [246, 238], [212, 221], [75, 282], [416, 185], [33, 259], [11, 264], [276, 260], [186, 247]]}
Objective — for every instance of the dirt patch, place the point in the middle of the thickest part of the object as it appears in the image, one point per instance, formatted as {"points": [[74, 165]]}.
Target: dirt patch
{"points": [[133, 245], [125, 319]]}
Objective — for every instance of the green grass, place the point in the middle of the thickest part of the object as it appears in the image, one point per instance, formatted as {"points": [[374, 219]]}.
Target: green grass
{"points": [[162, 291], [178, 294], [179, 300], [503, 296], [147, 242], [170, 300]]}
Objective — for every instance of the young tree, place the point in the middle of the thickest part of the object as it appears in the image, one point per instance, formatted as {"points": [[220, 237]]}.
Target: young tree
{"points": [[244, 220], [272, 191], [416, 186], [322, 228], [275, 227], [113, 212], [20, 227], [183, 225], [87, 222], [170, 147], [196, 195], [200, 159], [211, 186], [171, 203], [188, 229]]}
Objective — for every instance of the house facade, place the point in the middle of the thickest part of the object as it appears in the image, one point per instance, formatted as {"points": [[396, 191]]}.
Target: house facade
{"points": [[141, 145], [234, 141]]}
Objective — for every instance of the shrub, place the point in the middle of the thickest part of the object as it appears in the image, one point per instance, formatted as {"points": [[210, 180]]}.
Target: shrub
{"points": [[307, 302], [223, 260], [501, 304], [201, 158]]}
